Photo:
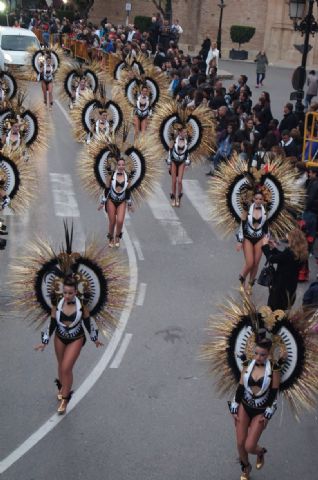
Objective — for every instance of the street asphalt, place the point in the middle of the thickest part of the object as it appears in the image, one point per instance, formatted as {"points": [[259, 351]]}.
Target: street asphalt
{"points": [[157, 416]]}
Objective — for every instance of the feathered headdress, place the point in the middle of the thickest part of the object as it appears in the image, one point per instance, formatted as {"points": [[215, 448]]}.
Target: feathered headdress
{"points": [[232, 336], [101, 280], [100, 157], [234, 185], [88, 108], [170, 117]]}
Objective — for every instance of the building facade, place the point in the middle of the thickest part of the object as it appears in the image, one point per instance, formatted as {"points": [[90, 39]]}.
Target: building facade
{"points": [[198, 18]]}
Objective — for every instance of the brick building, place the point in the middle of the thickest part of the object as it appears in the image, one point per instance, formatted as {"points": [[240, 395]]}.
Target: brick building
{"points": [[274, 29]]}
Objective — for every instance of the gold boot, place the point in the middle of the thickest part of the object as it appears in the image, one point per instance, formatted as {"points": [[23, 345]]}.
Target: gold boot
{"points": [[178, 201], [63, 404], [242, 284], [118, 238], [246, 470], [173, 200], [59, 386], [249, 288], [260, 459], [111, 240]]}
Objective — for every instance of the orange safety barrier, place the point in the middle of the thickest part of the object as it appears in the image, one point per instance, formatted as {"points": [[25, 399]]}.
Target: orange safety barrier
{"points": [[38, 34], [100, 56], [78, 48], [81, 50], [310, 138]]}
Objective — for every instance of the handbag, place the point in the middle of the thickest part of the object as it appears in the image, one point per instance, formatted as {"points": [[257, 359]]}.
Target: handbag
{"points": [[267, 275]]}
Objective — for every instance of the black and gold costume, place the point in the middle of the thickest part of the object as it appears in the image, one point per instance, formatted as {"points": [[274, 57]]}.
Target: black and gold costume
{"points": [[73, 331]]}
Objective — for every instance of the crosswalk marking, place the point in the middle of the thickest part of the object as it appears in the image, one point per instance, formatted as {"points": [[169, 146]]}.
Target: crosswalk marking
{"points": [[198, 198], [167, 217], [66, 206]]}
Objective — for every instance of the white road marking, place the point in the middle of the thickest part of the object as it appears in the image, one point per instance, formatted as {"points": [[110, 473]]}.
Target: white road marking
{"points": [[141, 294], [133, 237], [137, 246], [198, 198], [93, 376], [66, 115], [121, 351], [65, 203], [166, 215]]}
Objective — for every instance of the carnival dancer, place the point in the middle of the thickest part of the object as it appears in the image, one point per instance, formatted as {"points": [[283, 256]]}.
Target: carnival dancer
{"points": [[256, 201], [11, 136], [95, 114], [142, 111], [123, 173], [17, 185], [120, 65], [76, 80], [67, 319], [185, 135], [17, 181], [24, 126], [140, 94], [46, 79], [8, 89], [77, 290], [115, 200], [80, 90], [45, 63], [253, 228], [255, 404], [178, 159], [266, 352]]}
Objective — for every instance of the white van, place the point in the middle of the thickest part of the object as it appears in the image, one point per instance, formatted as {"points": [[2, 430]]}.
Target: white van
{"points": [[14, 45]]}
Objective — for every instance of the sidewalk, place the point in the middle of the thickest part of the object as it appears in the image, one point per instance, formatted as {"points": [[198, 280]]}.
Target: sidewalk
{"points": [[225, 75]]}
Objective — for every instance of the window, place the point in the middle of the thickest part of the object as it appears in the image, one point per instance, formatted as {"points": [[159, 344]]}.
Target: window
{"points": [[18, 43]]}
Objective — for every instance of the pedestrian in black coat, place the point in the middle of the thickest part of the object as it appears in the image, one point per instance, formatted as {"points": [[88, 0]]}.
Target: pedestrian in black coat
{"points": [[282, 292], [290, 120]]}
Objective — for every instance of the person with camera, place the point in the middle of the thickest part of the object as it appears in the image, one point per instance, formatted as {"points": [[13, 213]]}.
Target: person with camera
{"points": [[282, 291]]}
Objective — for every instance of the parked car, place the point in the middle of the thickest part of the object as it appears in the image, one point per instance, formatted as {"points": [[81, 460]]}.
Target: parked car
{"points": [[14, 45]]}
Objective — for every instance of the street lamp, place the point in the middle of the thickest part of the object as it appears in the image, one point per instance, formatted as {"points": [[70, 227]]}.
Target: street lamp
{"points": [[221, 5], [305, 24], [2, 7]]}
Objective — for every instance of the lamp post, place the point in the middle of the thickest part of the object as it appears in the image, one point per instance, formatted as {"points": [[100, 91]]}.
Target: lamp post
{"points": [[306, 24], [221, 5]]}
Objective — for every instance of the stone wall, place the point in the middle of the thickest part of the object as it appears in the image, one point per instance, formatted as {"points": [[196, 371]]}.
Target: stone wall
{"points": [[114, 10], [274, 30], [201, 17]]}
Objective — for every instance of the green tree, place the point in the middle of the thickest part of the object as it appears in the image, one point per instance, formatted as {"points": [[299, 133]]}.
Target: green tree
{"points": [[164, 7], [241, 34]]}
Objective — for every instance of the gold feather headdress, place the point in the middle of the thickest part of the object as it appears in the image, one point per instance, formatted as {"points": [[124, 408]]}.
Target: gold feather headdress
{"points": [[100, 157], [89, 107], [170, 117], [101, 278], [19, 179], [232, 334], [233, 186]]}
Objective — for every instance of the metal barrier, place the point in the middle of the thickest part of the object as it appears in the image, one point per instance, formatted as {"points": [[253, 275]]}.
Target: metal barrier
{"points": [[77, 48], [310, 138]]}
